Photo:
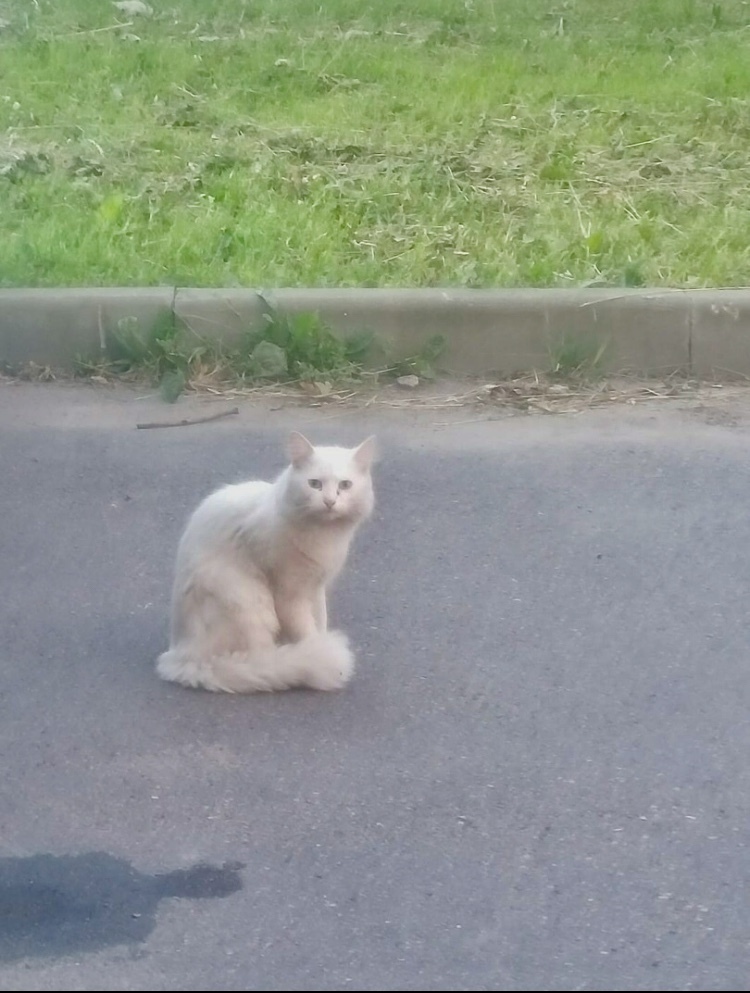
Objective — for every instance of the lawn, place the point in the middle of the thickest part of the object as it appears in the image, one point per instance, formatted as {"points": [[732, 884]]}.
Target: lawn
{"points": [[392, 143]]}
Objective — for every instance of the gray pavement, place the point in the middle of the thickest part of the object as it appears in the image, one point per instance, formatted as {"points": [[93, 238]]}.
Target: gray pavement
{"points": [[538, 778]]}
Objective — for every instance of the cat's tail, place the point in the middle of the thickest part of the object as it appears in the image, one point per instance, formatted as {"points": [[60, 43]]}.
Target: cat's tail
{"points": [[322, 661]]}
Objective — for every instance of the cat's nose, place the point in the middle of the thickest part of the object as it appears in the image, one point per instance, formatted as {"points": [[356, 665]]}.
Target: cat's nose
{"points": [[329, 501]]}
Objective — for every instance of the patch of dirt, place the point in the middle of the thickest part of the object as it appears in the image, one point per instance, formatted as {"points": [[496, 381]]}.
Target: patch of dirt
{"points": [[440, 403]]}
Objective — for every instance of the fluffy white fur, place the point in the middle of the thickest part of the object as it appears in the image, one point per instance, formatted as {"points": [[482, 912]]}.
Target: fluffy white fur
{"points": [[249, 599]]}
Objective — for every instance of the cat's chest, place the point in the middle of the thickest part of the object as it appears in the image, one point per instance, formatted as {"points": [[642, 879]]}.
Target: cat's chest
{"points": [[312, 558]]}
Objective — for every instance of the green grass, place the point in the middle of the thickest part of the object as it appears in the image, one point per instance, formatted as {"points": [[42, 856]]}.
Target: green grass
{"points": [[403, 142]]}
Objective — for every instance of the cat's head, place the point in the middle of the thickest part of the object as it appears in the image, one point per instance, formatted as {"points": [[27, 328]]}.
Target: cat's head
{"points": [[330, 484]]}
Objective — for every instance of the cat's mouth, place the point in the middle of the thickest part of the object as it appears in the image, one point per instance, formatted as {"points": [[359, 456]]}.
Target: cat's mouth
{"points": [[331, 515]]}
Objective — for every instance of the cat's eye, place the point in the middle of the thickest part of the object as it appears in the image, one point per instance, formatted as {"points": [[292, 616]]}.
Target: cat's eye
{"points": [[317, 484], [345, 484]]}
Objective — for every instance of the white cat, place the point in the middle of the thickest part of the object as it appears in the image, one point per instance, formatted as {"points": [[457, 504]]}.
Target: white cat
{"points": [[249, 598]]}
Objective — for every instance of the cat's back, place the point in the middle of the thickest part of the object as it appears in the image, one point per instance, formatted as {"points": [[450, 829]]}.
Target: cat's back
{"points": [[232, 508], [237, 496], [230, 503]]}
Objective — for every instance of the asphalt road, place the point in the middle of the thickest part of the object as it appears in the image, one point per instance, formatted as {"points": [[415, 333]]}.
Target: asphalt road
{"points": [[537, 780]]}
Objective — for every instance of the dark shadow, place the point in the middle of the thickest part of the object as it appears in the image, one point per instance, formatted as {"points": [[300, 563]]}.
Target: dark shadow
{"points": [[59, 904]]}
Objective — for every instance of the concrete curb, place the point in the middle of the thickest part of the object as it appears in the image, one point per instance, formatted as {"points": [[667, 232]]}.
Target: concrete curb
{"points": [[700, 332]]}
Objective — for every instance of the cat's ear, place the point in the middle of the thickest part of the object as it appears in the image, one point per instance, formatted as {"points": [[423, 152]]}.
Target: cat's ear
{"points": [[298, 449], [365, 454]]}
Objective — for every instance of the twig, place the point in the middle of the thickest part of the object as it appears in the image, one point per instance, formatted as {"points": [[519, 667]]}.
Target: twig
{"points": [[188, 421], [466, 420]]}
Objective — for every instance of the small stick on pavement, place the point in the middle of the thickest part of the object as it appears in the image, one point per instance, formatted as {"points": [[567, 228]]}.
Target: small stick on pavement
{"points": [[187, 421]]}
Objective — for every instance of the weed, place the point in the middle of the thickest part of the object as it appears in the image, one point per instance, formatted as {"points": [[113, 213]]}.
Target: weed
{"points": [[162, 350], [310, 349], [423, 363], [576, 356], [164, 353]]}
